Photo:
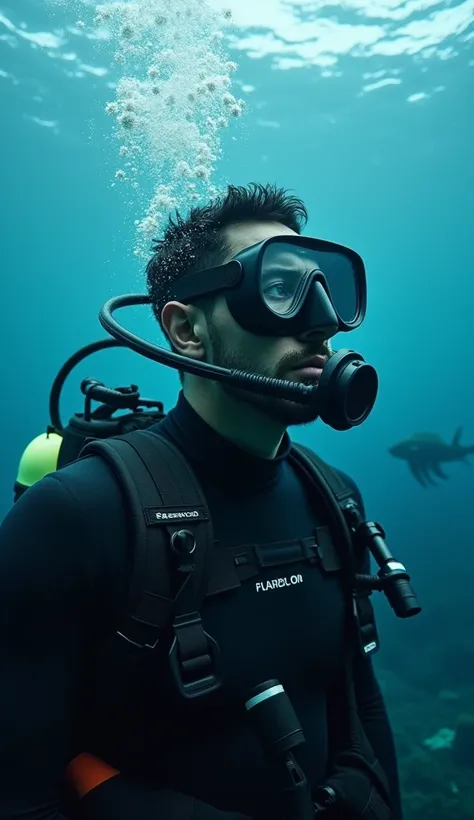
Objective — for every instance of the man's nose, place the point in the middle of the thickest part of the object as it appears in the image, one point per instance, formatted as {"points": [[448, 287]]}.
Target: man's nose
{"points": [[321, 316]]}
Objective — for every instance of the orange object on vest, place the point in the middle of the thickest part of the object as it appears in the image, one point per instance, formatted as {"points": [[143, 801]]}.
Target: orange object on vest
{"points": [[85, 772]]}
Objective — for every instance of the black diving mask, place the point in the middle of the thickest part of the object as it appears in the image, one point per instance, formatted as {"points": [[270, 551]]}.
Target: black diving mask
{"points": [[286, 286]]}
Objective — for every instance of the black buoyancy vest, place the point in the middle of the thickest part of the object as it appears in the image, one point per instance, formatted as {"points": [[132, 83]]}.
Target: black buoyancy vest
{"points": [[175, 566]]}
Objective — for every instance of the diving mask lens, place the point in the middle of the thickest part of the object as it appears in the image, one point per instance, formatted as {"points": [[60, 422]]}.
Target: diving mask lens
{"points": [[285, 271]]}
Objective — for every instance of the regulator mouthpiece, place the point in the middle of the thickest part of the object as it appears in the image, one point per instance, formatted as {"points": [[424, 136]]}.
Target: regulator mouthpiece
{"points": [[346, 391]]}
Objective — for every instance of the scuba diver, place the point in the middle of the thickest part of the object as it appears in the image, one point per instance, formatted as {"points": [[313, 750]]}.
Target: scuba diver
{"points": [[185, 620]]}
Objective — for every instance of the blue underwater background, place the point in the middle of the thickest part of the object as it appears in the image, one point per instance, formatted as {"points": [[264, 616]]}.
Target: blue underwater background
{"points": [[366, 110]]}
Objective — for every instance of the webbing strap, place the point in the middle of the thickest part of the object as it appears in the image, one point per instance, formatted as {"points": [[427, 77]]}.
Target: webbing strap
{"points": [[336, 493], [171, 479], [333, 493], [173, 539]]}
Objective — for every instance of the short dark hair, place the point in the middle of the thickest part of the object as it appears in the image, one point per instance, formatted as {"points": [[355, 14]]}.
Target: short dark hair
{"points": [[198, 242]]}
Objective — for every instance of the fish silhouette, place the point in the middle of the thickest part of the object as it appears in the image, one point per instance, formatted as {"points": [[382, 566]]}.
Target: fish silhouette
{"points": [[425, 452]]}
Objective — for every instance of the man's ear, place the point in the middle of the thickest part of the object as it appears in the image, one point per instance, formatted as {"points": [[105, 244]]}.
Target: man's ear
{"points": [[186, 329]]}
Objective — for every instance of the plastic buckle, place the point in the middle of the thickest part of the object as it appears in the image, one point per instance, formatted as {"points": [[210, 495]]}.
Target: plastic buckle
{"points": [[195, 672]]}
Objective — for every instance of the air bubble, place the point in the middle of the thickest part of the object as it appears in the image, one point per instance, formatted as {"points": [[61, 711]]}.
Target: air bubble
{"points": [[235, 110], [127, 120], [201, 172]]}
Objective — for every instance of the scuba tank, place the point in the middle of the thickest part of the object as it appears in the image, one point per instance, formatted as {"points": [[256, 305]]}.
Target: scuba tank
{"points": [[38, 459], [60, 445]]}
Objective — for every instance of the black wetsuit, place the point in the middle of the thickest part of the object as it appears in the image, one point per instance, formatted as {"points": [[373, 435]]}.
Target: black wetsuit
{"points": [[64, 568]]}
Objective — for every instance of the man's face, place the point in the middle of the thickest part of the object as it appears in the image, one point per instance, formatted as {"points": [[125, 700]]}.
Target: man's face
{"points": [[276, 357]]}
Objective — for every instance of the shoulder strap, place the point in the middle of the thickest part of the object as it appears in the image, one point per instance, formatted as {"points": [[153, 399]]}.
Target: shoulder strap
{"points": [[172, 538], [336, 494]]}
